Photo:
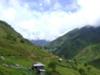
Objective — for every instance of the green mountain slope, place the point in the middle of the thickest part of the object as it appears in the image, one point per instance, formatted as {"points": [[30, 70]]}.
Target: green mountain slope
{"points": [[15, 50], [73, 42], [90, 56], [90, 53], [13, 44], [17, 55], [81, 48]]}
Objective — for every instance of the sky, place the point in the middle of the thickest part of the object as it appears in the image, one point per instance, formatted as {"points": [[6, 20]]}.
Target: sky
{"points": [[49, 19]]}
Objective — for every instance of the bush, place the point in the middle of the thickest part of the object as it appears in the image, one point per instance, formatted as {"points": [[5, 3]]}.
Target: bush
{"points": [[82, 71], [52, 65]]}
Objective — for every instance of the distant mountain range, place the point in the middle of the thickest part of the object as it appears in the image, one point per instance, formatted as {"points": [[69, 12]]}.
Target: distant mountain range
{"points": [[40, 42]]}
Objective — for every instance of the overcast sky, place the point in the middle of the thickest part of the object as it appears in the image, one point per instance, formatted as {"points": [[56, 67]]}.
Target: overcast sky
{"points": [[48, 19]]}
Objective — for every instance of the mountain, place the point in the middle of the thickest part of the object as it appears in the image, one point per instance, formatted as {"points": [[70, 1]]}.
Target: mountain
{"points": [[18, 54], [74, 42], [40, 42], [81, 47], [15, 51]]}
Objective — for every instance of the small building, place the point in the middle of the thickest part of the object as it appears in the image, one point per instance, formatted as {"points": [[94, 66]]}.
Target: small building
{"points": [[39, 68]]}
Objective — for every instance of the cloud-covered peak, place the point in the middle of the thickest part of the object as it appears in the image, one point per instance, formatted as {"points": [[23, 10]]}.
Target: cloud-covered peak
{"points": [[48, 19]]}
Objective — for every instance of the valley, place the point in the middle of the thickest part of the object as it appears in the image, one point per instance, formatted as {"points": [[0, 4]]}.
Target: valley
{"points": [[17, 54]]}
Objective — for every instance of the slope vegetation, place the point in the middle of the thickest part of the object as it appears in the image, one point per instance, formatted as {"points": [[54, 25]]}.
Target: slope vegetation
{"points": [[17, 55], [73, 42]]}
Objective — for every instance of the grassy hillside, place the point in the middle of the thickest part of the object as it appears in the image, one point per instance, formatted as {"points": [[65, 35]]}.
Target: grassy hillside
{"points": [[13, 45], [15, 50], [89, 53]]}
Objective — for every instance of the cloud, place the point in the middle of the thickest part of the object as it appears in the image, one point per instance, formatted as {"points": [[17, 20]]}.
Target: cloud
{"points": [[34, 23]]}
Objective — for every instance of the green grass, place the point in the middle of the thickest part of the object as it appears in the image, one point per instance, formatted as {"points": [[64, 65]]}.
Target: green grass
{"points": [[66, 71], [13, 71]]}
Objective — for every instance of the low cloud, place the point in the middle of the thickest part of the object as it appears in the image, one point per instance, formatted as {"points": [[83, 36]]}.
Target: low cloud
{"points": [[48, 24]]}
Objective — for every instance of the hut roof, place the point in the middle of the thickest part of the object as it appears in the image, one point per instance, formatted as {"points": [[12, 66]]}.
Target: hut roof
{"points": [[38, 64]]}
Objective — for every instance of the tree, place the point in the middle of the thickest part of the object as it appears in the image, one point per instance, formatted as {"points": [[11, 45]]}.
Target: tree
{"points": [[82, 71], [52, 65]]}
